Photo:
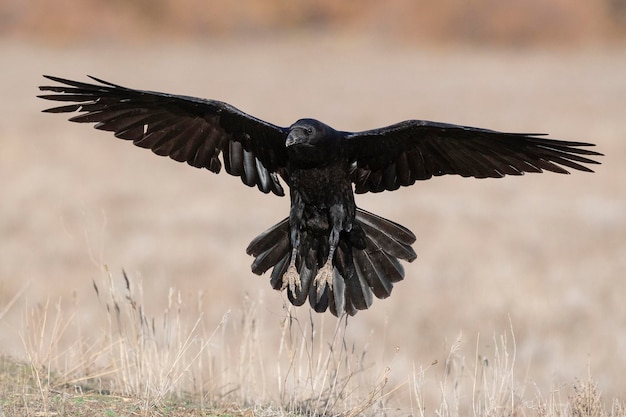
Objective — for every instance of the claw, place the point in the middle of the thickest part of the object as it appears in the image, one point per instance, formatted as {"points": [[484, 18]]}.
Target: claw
{"points": [[324, 278], [291, 279]]}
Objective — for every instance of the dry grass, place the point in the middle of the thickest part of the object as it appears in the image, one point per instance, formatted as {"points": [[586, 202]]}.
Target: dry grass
{"points": [[543, 252], [154, 366]]}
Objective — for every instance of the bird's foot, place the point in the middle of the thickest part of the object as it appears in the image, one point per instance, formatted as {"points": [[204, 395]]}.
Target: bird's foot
{"points": [[324, 278], [291, 279]]}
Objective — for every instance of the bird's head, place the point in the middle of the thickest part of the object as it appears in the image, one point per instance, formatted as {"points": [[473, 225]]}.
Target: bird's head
{"points": [[308, 133], [311, 142]]}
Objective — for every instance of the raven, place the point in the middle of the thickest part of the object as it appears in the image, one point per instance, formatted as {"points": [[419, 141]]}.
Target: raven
{"points": [[327, 250]]}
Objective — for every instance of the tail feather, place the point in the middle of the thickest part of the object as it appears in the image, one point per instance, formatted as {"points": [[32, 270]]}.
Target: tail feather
{"points": [[320, 304], [276, 279], [358, 292], [268, 238], [392, 245], [270, 257], [394, 238], [386, 266], [363, 267], [270, 247], [367, 270], [336, 303], [394, 230]]}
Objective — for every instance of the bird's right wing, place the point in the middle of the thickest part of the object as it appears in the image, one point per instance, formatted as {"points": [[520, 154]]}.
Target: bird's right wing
{"points": [[187, 129], [400, 154]]}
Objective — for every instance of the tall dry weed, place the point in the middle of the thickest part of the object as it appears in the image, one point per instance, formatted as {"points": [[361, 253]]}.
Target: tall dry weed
{"points": [[179, 356]]}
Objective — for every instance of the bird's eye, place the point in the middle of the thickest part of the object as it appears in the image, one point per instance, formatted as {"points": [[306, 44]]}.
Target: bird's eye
{"points": [[309, 130]]}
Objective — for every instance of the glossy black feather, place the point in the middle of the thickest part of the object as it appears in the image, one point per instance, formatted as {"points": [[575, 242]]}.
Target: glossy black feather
{"points": [[400, 154], [185, 128], [360, 272], [323, 169]]}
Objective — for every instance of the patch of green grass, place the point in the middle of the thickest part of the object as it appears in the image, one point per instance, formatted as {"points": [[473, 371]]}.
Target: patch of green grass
{"points": [[20, 395]]}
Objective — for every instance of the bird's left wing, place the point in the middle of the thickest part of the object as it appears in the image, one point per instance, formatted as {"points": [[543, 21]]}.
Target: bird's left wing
{"points": [[400, 154], [187, 129]]}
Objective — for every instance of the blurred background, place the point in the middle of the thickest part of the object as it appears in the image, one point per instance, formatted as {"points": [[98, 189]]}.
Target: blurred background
{"points": [[509, 22], [543, 254]]}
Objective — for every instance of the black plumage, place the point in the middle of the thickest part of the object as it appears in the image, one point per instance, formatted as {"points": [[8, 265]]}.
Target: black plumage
{"points": [[327, 251]]}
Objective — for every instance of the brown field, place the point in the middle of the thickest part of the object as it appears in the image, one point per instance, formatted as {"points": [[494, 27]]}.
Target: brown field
{"points": [[493, 22], [538, 260]]}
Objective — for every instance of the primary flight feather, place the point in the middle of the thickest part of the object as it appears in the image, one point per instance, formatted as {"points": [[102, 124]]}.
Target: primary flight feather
{"points": [[327, 250]]}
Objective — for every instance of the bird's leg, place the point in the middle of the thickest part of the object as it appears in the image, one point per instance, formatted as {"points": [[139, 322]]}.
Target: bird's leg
{"points": [[291, 277], [326, 273]]}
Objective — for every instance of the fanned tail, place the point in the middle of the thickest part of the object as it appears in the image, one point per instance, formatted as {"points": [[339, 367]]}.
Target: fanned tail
{"points": [[366, 262]]}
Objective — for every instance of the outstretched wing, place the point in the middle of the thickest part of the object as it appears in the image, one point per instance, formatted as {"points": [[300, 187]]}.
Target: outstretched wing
{"points": [[187, 129], [400, 154]]}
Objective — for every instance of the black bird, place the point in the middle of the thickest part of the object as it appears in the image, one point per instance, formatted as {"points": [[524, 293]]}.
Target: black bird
{"points": [[328, 250]]}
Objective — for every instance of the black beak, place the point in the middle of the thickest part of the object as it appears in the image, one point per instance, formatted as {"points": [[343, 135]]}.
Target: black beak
{"points": [[292, 138]]}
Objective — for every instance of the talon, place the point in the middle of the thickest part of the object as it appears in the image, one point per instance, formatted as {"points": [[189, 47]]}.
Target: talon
{"points": [[324, 278], [291, 279]]}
